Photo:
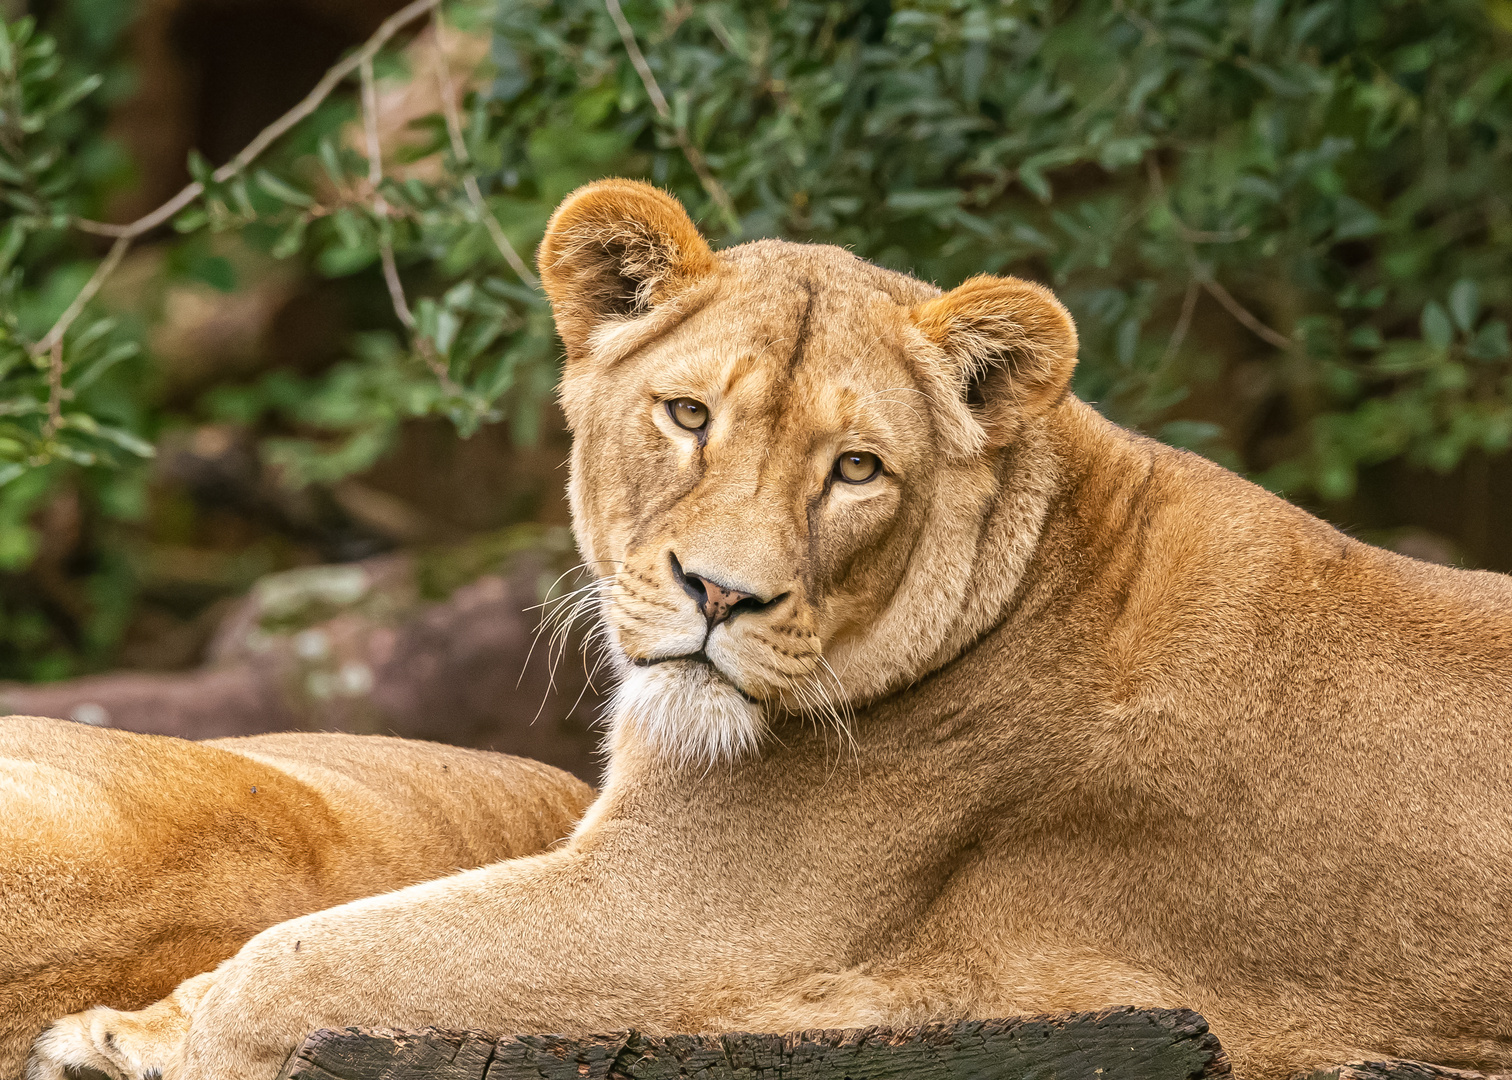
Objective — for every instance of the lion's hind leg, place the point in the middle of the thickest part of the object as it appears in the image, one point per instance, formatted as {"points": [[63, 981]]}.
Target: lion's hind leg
{"points": [[140, 1045]]}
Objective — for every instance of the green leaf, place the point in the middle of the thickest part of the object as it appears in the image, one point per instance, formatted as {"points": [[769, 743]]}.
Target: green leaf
{"points": [[1190, 434], [1035, 181], [915, 201], [291, 239], [1437, 329], [81, 377], [74, 94], [1365, 337], [281, 191], [330, 161], [1355, 220], [201, 169], [12, 237], [126, 441], [344, 261], [242, 197], [215, 271], [1491, 341], [191, 220], [447, 326], [1464, 303]]}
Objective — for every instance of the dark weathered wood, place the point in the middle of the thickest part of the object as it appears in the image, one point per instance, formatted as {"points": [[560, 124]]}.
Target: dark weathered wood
{"points": [[353, 1053], [1117, 1044], [1394, 1069]]}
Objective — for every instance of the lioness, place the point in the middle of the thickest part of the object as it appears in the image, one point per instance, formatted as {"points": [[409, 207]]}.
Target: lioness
{"points": [[941, 696], [130, 862]]}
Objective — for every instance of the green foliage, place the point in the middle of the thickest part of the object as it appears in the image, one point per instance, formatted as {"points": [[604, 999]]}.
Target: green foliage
{"points": [[1283, 225], [40, 180], [1338, 166], [55, 163]]}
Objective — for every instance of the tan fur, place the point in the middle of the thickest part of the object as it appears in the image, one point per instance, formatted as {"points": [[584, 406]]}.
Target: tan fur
{"points": [[1048, 716], [131, 862]]}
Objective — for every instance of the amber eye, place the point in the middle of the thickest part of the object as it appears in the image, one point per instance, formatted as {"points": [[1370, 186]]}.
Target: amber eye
{"points": [[857, 468], [687, 413]]}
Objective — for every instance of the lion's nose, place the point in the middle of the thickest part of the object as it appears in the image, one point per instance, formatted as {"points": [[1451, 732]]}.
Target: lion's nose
{"points": [[717, 602]]}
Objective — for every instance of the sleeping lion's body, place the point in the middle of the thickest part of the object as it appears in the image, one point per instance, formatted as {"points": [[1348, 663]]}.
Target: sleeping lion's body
{"points": [[130, 862], [941, 696]]}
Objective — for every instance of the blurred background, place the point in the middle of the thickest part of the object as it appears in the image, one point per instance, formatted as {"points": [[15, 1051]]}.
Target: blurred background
{"points": [[297, 463]]}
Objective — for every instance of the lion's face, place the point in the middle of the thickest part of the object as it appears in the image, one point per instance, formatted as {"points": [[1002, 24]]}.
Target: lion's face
{"points": [[781, 469]]}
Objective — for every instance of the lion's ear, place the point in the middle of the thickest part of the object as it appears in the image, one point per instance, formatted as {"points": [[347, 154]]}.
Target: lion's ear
{"points": [[1009, 349], [615, 249]]}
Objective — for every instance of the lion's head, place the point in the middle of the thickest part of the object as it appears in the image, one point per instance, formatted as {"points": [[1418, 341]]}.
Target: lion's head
{"points": [[792, 469]]}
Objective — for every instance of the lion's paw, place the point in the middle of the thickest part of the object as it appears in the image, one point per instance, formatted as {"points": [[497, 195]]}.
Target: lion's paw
{"points": [[118, 1045]]}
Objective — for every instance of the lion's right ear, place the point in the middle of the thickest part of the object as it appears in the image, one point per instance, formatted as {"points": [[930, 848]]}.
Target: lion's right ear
{"points": [[1008, 348], [616, 249]]}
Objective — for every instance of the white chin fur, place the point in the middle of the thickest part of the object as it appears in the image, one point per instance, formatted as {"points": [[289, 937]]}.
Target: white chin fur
{"points": [[687, 712]]}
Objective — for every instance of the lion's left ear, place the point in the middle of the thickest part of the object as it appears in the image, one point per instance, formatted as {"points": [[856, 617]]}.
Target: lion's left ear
{"points": [[616, 249], [1009, 346]]}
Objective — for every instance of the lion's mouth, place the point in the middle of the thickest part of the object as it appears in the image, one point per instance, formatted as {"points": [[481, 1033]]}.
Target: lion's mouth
{"points": [[702, 659], [697, 657]]}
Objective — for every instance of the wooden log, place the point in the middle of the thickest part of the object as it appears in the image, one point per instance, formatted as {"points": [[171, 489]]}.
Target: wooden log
{"points": [[1116, 1044], [1397, 1069]]}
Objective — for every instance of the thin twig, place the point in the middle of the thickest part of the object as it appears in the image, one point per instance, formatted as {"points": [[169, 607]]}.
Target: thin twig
{"points": [[1202, 273], [265, 138], [638, 58], [496, 231], [380, 204], [1242, 313], [124, 234], [459, 151], [1206, 236], [385, 232], [54, 390], [722, 33], [1183, 322], [659, 102], [107, 266]]}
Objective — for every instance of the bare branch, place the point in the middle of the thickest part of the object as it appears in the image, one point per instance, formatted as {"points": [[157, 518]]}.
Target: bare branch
{"points": [[1242, 313], [423, 345], [54, 390], [459, 151], [496, 231], [659, 101], [722, 32], [380, 204], [638, 58], [1201, 273], [265, 138], [124, 234], [107, 266], [1183, 321]]}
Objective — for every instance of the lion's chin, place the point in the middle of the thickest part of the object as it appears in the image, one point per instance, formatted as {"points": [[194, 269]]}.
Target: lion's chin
{"points": [[688, 711]]}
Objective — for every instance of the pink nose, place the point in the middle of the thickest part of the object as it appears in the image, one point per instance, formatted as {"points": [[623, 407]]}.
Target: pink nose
{"points": [[718, 601]]}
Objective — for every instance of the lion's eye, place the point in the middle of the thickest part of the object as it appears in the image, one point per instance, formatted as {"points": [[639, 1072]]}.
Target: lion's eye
{"points": [[687, 413], [857, 468]]}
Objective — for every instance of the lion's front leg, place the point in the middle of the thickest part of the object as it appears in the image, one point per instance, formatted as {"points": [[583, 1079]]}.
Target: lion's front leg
{"points": [[531, 944], [121, 1045]]}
